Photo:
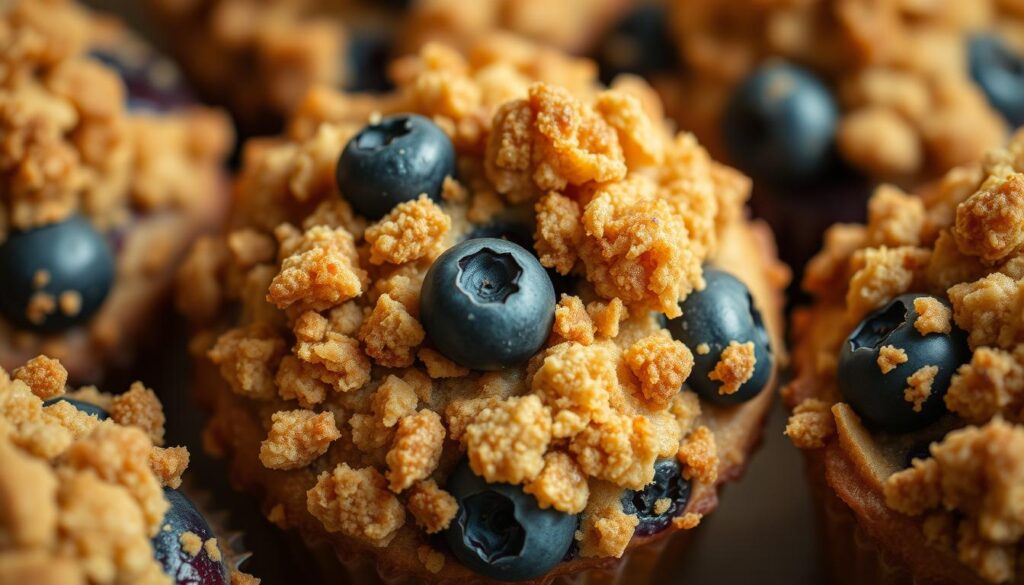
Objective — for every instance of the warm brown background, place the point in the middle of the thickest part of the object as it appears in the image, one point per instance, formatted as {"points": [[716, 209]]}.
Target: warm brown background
{"points": [[763, 533]]}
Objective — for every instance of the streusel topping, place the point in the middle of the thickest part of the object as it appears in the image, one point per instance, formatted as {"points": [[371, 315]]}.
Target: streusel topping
{"points": [[329, 316], [965, 248]]}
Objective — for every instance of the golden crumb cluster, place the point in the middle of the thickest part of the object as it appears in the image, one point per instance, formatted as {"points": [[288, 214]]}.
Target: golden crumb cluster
{"points": [[81, 497], [328, 346], [966, 245], [909, 107]]}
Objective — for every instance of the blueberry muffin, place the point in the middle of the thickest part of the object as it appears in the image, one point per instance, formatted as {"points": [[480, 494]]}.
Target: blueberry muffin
{"points": [[499, 324], [90, 495], [258, 57], [108, 171], [820, 101], [908, 390]]}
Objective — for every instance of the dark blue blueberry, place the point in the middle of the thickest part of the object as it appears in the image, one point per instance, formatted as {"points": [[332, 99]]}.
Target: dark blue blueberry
{"points": [[487, 304], [501, 533], [393, 161], [640, 44], [668, 484], [86, 407], [181, 566], [520, 232], [152, 81], [368, 54], [879, 398], [60, 258], [780, 125], [722, 313], [999, 70]]}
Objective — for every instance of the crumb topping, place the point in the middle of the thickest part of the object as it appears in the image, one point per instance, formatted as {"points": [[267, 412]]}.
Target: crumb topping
{"points": [[811, 424], [919, 386], [990, 223], [297, 437], [81, 498], [328, 316], [890, 357], [932, 316], [735, 367]]}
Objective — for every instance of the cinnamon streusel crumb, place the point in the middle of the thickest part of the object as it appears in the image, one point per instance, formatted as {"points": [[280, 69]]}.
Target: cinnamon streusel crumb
{"points": [[572, 322], [811, 424], [432, 507], [734, 367], [890, 357], [662, 365], [699, 456], [932, 316], [44, 376], [561, 485], [297, 437], [357, 503], [416, 449], [139, 407]]}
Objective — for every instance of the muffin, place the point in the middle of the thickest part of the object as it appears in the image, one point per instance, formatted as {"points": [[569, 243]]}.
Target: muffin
{"points": [[90, 495], [500, 324], [260, 58], [108, 172], [820, 101], [907, 391]]}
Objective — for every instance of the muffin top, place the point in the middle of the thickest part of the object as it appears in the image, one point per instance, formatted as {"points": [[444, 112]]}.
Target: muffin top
{"points": [[389, 284], [910, 362], [89, 492], [903, 90]]}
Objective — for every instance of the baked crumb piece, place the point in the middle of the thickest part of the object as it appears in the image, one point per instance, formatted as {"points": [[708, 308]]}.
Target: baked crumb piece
{"points": [[168, 465], [990, 223], [297, 438], [321, 270], [439, 366], [606, 529], [506, 442], [432, 559], [293, 383], [607, 316], [688, 521], [212, 550], [45, 376], [578, 383], [894, 218], [139, 407], [920, 386], [432, 507], [988, 310], [735, 367], [890, 357], [356, 503], [390, 335], [572, 322], [620, 449], [561, 485], [662, 365], [991, 384], [337, 360], [249, 247], [248, 358], [881, 274], [409, 232], [416, 449], [932, 316], [811, 424], [699, 456], [191, 543], [558, 233]]}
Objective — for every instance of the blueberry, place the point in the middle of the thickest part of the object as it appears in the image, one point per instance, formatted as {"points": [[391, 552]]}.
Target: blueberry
{"points": [[640, 44], [668, 484], [780, 125], [368, 54], [721, 313], [487, 304], [393, 161], [55, 260], [181, 566], [500, 533], [879, 398], [521, 233], [999, 70], [86, 407], [152, 81]]}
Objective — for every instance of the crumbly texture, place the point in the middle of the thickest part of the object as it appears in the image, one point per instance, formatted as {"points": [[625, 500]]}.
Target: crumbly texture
{"points": [[735, 366], [328, 321], [965, 249], [83, 510], [909, 107], [890, 357], [148, 181], [289, 46], [297, 438]]}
